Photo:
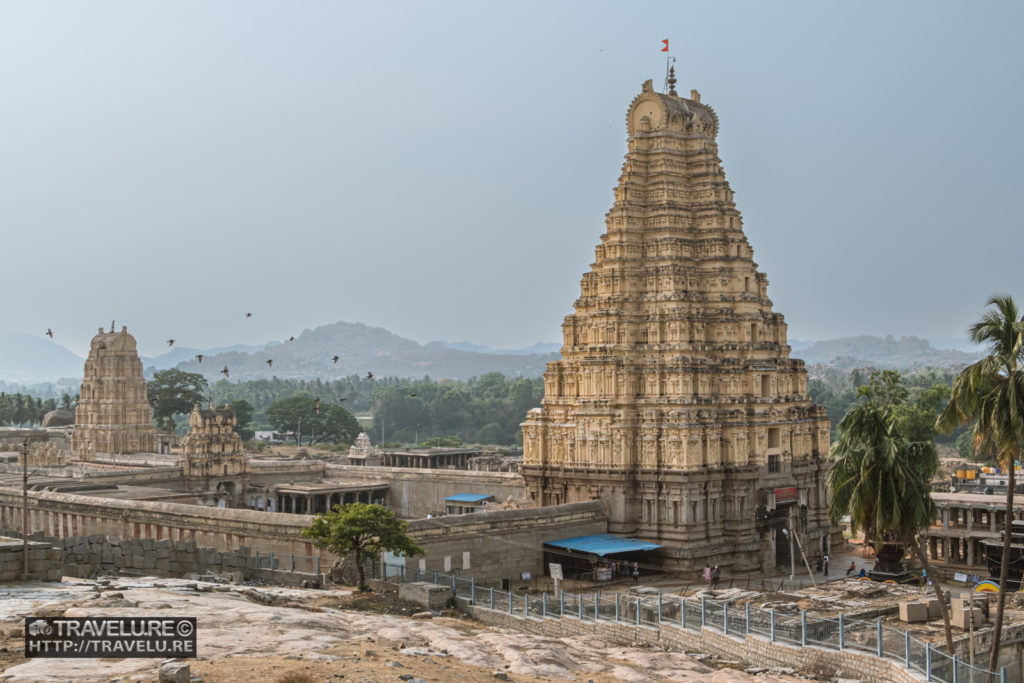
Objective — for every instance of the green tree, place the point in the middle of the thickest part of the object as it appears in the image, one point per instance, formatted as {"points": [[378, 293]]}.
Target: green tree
{"points": [[321, 422], [882, 480], [243, 411], [491, 433], [363, 530], [991, 391], [174, 392], [65, 401]]}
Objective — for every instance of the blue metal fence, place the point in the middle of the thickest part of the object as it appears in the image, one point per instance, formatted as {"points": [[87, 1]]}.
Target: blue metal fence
{"points": [[658, 610]]}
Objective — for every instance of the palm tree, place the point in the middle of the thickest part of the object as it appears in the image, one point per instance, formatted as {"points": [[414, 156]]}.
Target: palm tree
{"points": [[991, 391], [882, 481]]}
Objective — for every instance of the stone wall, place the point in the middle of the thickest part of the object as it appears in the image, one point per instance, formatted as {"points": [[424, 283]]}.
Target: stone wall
{"points": [[88, 556], [44, 561], [415, 493], [500, 544], [751, 650]]}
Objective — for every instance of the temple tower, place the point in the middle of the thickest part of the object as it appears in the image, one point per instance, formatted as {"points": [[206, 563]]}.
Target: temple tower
{"points": [[675, 400], [212, 457], [113, 414]]}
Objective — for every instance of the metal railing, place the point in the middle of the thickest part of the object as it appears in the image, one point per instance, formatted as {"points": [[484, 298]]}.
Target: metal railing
{"points": [[660, 610]]}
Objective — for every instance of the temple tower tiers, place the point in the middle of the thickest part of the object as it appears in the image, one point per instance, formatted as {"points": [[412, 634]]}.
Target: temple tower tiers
{"points": [[675, 400], [113, 414], [212, 447]]}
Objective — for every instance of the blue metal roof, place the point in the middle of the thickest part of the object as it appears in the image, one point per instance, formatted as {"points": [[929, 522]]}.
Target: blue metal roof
{"points": [[468, 497], [603, 544]]}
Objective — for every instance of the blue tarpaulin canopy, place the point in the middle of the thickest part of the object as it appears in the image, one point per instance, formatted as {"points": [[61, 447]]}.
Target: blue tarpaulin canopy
{"points": [[603, 544], [468, 498]]}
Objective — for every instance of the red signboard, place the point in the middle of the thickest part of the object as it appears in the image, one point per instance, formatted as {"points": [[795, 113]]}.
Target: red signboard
{"points": [[786, 495]]}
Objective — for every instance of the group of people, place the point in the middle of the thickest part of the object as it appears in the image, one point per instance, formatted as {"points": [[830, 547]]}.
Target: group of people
{"points": [[821, 563], [711, 575]]}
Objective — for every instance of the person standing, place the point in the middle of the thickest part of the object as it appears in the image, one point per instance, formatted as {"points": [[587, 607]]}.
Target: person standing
{"points": [[714, 577], [824, 565], [707, 575], [636, 573]]}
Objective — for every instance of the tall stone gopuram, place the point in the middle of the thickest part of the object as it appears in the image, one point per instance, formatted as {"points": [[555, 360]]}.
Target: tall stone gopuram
{"points": [[113, 414], [675, 400]]}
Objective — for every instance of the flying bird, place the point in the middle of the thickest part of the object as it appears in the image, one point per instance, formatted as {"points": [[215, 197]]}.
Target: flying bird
{"points": [[248, 315], [270, 363], [225, 372], [291, 338], [49, 333], [412, 395], [170, 342], [369, 375], [342, 400], [335, 359], [199, 357]]}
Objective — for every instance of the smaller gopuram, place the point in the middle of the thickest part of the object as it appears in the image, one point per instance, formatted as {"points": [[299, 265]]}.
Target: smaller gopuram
{"points": [[113, 414], [212, 457]]}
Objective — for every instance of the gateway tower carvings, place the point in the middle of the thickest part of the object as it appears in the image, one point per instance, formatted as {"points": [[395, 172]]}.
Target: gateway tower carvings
{"points": [[113, 414], [675, 400]]}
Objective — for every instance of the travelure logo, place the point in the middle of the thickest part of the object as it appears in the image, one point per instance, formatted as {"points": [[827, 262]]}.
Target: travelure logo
{"points": [[110, 637]]}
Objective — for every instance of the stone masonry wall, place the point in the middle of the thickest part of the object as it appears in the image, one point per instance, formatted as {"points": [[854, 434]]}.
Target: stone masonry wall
{"points": [[87, 556], [751, 650], [44, 561], [497, 542], [417, 492]]}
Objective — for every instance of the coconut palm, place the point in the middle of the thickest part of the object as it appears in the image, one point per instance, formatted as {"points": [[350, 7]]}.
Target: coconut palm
{"points": [[882, 481], [991, 391]]}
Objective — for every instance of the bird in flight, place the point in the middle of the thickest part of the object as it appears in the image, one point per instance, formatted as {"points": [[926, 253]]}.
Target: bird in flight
{"points": [[170, 342], [270, 363], [369, 375], [248, 315], [412, 395], [291, 338], [342, 400], [225, 372], [49, 333], [335, 359], [199, 357]]}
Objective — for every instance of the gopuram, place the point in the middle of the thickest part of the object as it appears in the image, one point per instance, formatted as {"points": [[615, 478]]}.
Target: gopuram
{"points": [[675, 400], [212, 457], [113, 414]]}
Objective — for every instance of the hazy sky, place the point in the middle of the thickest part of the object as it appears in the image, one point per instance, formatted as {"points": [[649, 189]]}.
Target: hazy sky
{"points": [[443, 169]]}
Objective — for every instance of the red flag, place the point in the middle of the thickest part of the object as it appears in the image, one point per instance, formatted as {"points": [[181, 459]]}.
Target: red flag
{"points": [[665, 49]]}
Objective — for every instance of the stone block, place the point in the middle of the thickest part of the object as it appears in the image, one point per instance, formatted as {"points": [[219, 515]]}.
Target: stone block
{"points": [[934, 610], [175, 672], [913, 612], [430, 595], [961, 618]]}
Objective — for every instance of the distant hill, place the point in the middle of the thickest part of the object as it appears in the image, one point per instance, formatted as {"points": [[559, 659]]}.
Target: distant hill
{"points": [[538, 348], [905, 353], [30, 359], [362, 349], [182, 353]]}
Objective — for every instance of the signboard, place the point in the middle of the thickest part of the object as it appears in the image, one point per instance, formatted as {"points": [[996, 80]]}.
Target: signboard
{"points": [[785, 495], [556, 571], [960, 577]]}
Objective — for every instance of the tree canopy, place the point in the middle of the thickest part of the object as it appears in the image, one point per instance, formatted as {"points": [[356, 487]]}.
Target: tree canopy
{"points": [[881, 477], [174, 392], [364, 530], [306, 416], [990, 393]]}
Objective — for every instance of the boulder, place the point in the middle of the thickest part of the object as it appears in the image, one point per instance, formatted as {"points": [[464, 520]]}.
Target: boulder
{"points": [[59, 418], [175, 672]]}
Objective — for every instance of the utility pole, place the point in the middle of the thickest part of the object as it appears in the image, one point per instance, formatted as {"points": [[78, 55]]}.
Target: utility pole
{"points": [[24, 510]]}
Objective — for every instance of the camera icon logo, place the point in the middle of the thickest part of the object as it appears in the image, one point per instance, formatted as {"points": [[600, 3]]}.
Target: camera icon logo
{"points": [[40, 627]]}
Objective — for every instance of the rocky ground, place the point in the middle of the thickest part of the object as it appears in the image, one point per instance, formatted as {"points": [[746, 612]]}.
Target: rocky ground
{"points": [[281, 635]]}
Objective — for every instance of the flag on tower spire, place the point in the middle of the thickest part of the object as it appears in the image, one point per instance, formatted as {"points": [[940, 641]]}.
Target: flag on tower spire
{"points": [[665, 49]]}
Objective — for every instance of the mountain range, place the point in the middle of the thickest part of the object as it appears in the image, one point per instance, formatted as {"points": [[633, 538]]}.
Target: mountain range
{"points": [[27, 360]]}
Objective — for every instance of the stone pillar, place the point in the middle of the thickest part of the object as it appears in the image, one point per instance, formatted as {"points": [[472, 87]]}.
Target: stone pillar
{"points": [[970, 521], [945, 519], [970, 551], [991, 521]]}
